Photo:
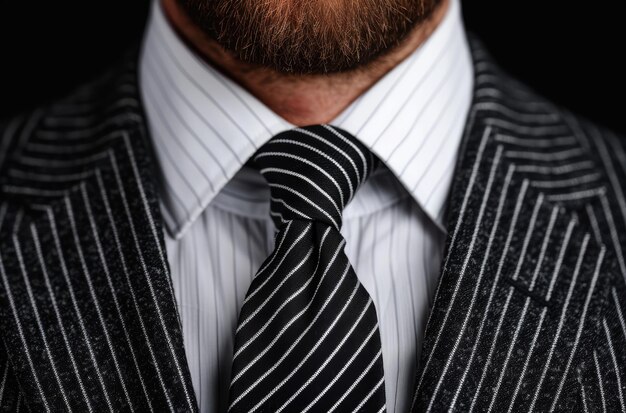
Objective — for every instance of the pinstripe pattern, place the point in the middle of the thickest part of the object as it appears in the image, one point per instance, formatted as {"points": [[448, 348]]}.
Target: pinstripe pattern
{"points": [[216, 208], [381, 222], [305, 307], [83, 259], [412, 119], [536, 323]]}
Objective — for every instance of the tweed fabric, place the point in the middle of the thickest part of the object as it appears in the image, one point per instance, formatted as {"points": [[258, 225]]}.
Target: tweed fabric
{"points": [[87, 313], [533, 267], [528, 315]]}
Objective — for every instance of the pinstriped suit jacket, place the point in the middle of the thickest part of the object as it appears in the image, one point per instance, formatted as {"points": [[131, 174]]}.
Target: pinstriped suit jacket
{"points": [[528, 315]]}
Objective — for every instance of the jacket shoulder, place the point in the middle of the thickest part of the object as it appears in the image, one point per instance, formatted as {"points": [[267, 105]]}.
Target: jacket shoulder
{"points": [[47, 152], [78, 120], [550, 143], [608, 149]]}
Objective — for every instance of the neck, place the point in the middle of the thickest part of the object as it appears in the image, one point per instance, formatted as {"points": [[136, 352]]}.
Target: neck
{"points": [[300, 99]]}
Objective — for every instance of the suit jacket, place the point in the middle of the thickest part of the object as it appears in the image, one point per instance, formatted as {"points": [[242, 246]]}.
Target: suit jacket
{"points": [[528, 314]]}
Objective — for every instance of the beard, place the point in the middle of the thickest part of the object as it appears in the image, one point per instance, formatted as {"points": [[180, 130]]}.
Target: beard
{"points": [[308, 36]]}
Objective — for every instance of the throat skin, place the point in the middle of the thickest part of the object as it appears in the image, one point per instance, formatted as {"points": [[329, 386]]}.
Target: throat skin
{"points": [[299, 99]]}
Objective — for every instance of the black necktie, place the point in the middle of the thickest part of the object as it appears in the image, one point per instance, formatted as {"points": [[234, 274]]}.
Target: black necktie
{"points": [[307, 337]]}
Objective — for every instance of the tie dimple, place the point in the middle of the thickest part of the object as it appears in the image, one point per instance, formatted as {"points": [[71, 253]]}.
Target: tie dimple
{"points": [[313, 173], [307, 338]]}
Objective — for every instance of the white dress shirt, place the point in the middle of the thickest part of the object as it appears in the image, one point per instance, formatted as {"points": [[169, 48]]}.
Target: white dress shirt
{"points": [[216, 211]]}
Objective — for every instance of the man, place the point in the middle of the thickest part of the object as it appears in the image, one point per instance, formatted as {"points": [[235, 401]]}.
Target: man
{"points": [[177, 236]]}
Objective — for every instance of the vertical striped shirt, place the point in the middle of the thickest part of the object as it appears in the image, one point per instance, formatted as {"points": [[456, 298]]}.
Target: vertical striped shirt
{"points": [[216, 210]]}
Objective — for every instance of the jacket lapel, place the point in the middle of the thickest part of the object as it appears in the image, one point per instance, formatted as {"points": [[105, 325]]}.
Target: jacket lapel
{"points": [[88, 315], [515, 305], [87, 312]]}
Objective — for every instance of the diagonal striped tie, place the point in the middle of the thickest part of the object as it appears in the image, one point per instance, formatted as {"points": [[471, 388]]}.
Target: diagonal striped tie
{"points": [[307, 338]]}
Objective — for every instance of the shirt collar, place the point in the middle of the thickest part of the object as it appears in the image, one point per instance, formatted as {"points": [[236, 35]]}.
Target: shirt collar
{"points": [[205, 126]]}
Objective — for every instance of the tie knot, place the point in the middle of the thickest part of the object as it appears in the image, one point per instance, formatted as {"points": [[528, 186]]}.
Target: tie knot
{"points": [[313, 172]]}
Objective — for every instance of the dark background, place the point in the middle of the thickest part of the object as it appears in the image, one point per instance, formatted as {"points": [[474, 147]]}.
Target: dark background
{"points": [[569, 51]]}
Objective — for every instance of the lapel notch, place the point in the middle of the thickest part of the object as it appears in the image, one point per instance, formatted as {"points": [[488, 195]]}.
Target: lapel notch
{"points": [[517, 304], [89, 318]]}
